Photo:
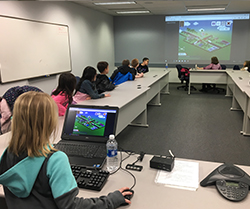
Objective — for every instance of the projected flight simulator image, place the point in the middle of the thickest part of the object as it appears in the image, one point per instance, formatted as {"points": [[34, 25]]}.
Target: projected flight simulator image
{"points": [[90, 123], [203, 39]]}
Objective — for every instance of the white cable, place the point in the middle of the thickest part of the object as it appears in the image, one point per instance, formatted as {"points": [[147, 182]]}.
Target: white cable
{"points": [[170, 152]]}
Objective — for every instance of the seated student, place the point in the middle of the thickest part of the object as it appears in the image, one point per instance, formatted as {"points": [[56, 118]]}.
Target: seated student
{"points": [[87, 85], [134, 65], [215, 65], [123, 73], [62, 95], [7, 104], [36, 175], [246, 66], [143, 67], [102, 81]]}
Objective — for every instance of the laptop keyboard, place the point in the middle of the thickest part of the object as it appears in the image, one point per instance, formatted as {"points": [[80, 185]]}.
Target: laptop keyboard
{"points": [[89, 179], [84, 150]]}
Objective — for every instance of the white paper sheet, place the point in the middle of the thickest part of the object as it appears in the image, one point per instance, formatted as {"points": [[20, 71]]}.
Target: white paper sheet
{"points": [[185, 175]]}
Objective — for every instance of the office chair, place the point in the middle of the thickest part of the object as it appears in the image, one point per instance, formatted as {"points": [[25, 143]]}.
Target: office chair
{"points": [[224, 67], [217, 89], [183, 75], [236, 67], [77, 79]]}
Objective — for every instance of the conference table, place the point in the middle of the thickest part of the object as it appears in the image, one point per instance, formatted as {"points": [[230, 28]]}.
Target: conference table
{"points": [[238, 87], [132, 98], [148, 194], [157, 81], [207, 76]]}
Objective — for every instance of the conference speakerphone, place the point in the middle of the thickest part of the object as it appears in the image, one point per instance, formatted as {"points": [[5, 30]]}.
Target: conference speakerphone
{"points": [[163, 162]]}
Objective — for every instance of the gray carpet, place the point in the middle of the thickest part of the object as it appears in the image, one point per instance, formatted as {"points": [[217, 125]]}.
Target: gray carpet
{"points": [[198, 126]]}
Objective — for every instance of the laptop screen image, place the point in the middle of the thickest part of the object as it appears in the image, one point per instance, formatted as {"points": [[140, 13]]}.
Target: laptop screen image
{"points": [[89, 122]]}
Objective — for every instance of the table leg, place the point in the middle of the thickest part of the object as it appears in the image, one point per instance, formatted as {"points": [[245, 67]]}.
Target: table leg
{"points": [[141, 120]]}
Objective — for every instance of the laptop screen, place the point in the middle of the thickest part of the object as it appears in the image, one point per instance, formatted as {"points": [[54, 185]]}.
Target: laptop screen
{"points": [[87, 122]]}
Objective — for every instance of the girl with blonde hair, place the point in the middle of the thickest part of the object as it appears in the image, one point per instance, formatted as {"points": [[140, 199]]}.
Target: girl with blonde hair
{"points": [[33, 173]]}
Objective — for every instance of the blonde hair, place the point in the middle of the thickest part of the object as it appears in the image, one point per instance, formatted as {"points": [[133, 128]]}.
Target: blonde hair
{"points": [[35, 119]]}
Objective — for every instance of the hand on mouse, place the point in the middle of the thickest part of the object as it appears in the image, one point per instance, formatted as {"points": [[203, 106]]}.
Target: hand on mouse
{"points": [[122, 190]]}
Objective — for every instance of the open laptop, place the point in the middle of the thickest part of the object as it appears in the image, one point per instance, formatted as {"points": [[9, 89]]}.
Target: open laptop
{"points": [[85, 132]]}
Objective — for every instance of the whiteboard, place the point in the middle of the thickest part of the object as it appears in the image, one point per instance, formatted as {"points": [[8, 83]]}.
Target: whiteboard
{"points": [[31, 49]]}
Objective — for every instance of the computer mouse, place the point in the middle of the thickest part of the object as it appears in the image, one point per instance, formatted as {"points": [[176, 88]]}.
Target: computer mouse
{"points": [[129, 197]]}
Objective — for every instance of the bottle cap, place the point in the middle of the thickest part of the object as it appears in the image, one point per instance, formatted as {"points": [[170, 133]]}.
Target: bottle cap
{"points": [[111, 136]]}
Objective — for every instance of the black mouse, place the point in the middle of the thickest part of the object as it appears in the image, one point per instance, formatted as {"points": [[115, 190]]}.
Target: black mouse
{"points": [[129, 196]]}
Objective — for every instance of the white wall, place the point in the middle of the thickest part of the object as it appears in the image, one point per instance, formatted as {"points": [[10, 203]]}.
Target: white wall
{"points": [[91, 34], [140, 36]]}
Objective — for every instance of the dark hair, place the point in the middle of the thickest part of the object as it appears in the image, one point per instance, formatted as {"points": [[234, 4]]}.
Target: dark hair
{"points": [[66, 85], [145, 59], [134, 63], [87, 74], [125, 62], [101, 66], [214, 60]]}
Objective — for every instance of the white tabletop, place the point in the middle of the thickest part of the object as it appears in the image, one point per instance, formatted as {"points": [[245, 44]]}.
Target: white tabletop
{"points": [[241, 79], [149, 195], [122, 95], [209, 70], [150, 78]]}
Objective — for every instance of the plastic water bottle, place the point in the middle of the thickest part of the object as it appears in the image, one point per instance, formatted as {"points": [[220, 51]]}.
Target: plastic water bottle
{"points": [[166, 66], [112, 158]]}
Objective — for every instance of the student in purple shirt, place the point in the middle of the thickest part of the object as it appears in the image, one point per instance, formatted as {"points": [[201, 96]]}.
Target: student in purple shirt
{"points": [[215, 65]]}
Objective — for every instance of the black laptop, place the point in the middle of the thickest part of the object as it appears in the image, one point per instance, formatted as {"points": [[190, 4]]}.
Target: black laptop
{"points": [[85, 132]]}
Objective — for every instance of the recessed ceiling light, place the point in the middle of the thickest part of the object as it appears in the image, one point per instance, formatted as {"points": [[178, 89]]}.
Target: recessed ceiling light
{"points": [[132, 12], [114, 3], [205, 9]]}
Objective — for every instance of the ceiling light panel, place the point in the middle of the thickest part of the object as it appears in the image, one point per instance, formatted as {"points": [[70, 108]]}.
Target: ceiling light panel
{"points": [[133, 12], [114, 3], [205, 9]]}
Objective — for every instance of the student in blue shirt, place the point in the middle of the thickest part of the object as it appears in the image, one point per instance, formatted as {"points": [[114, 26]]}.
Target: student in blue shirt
{"points": [[86, 85], [123, 73]]}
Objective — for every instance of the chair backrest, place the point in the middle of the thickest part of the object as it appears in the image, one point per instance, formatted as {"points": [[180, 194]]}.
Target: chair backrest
{"points": [[184, 73], [236, 67], [179, 67], [224, 67], [77, 79]]}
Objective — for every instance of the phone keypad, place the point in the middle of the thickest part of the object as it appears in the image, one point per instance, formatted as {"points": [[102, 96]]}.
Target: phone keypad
{"points": [[232, 191]]}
